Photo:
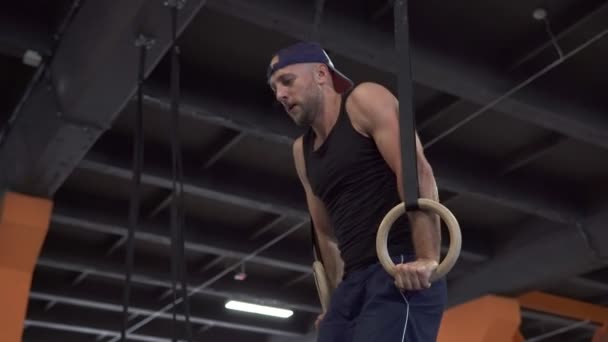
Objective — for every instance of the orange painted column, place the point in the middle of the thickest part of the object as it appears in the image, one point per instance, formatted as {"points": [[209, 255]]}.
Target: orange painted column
{"points": [[565, 307], [487, 319], [601, 335], [518, 337], [24, 222]]}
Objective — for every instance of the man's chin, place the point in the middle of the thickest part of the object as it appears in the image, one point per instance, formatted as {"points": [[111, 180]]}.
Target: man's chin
{"points": [[302, 122]]}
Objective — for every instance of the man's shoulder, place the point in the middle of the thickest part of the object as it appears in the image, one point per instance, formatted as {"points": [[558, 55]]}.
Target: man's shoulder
{"points": [[366, 90], [366, 101], [366, 95]]}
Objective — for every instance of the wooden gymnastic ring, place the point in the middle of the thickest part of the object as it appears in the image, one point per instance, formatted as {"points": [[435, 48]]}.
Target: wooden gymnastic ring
{"points": [[424, 204], [323, 288]]}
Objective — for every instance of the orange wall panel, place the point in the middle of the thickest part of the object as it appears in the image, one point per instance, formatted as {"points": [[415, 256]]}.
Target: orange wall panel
{"points": [[24, 222], [487, 319]]}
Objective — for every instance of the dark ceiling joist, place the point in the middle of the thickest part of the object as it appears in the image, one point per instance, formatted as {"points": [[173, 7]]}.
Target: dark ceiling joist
{"points": [[218, 188], [474, 83], [196, 241], [202, 241], [540, 255], [90, 303], [59, 325], [91, 76], [459, 182], [204, 185], [544, 318], [451, 175], [94, 267], [569, 37]]}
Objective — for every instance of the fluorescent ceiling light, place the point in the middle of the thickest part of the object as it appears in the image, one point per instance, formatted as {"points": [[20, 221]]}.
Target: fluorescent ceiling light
{"points": [[258, 309]]}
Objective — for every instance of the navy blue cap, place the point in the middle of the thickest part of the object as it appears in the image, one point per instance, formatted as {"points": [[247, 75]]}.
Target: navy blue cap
{"points": [[308, 52]]}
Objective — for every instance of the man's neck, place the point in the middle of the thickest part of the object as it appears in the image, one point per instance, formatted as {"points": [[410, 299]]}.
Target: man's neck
{"points": [[328, 116]]}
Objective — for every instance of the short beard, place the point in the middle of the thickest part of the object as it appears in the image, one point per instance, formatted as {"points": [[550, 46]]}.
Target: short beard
{"points": [[312, 109]]}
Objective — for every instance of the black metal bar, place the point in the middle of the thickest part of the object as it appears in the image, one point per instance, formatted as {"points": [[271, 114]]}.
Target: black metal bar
{"points": [[109, 271], [454, 175], [407, 120], [157, 234], [57, 143], [469, 81], [316, 25], [270, 225], [234, 139], [86, 330], [98, 303], [518, 87], [561, 35], [143, 44], [218, 276], [559, 331], [531, 152]]}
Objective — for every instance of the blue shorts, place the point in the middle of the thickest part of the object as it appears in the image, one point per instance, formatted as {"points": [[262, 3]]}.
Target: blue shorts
{"points": [[367, 306]]}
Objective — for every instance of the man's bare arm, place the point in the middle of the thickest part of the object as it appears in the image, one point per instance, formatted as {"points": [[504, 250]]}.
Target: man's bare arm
{"points": [[376, 111], [326, 242]]}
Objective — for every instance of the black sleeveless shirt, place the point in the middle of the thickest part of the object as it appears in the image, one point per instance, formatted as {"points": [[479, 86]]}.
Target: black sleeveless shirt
{"points": [[357, 186]]}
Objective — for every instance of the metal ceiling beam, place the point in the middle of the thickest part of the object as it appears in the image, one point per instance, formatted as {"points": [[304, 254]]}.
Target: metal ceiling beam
{"points": [[243, 119], [570, 36], [60, 326], [474, 83], [523, 156], [94, 267], [551, 319], [510, 270], [209, 244], [92, 75], [91, 303], [531, 152], [196, 240], [461, 175], [474, 251], [111, 271], [542, 254], [218, 188], [241, 197], [205, 185]]}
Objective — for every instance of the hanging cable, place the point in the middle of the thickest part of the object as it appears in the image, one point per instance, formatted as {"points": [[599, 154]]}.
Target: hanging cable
{"points": [[179, 273], [315, 33], [541, 14], [143, 43]]}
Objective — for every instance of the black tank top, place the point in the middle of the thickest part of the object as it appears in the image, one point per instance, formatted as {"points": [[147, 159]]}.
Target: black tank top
{"points": [[357, 186]]}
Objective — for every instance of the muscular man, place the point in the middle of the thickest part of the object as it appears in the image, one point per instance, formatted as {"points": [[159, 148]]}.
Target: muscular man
{"points": [[349, 164]]}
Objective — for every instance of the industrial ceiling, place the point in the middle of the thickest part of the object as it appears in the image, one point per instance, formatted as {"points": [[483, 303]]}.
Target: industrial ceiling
{"points": [[510, 105]]}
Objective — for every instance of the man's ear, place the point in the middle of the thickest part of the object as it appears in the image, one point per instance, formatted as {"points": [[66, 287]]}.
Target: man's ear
{"points": [[321, 73]]}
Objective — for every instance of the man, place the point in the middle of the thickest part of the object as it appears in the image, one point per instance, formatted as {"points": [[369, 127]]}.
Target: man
{"points": [[349, 164]]}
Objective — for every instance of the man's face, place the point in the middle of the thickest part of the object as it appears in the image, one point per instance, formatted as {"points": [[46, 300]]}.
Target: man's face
{"points": [[295, 88]]}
